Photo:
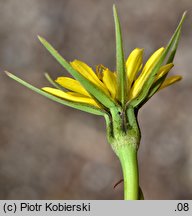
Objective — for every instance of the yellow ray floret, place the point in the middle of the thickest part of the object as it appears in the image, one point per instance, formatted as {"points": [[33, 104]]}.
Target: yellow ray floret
{"points": [[72, 85], [88, 72], [163, 70], [133, 65], [72, 96], [171, 80], [135, 90], [106, 80], [110, 82]]}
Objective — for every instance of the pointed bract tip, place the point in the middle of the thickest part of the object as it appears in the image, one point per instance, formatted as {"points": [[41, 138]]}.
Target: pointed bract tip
{"points": [[8, 73], [47, 75], [184, 15], [40, 38], [114, 9]]}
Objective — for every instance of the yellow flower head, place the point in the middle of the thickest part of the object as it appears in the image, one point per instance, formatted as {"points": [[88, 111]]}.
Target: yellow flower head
{"points": [[106, 80], [102, 90]]}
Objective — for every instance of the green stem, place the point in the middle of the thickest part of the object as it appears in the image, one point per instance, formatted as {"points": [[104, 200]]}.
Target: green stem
{"points": [[124, 137], [129, 164]]}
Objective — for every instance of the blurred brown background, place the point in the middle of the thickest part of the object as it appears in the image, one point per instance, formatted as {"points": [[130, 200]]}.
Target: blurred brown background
{"points": [[48, 151]]}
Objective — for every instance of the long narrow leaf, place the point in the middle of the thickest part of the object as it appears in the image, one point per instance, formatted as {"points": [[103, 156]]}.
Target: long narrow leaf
{"points": [[153, 90], [142, 96], [120, 62], [89, 86], [174, 48], [155, 87], [81, 106]]}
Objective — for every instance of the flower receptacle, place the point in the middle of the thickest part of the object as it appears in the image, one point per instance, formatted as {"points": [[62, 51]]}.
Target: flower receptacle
{"points": [[123, 129]]}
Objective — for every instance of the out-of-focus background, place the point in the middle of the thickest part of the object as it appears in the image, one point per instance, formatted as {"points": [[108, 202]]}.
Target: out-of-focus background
{"points": [[49, 151]]}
